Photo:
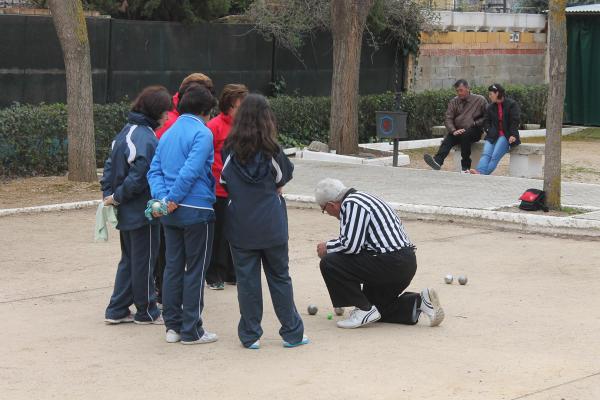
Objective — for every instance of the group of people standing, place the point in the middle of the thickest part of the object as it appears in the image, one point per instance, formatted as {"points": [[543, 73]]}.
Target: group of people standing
{"points": [[219, 183], [468, 116]]}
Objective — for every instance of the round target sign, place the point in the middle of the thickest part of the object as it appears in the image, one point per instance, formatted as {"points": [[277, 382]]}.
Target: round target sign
{"points": [[387, 125]]}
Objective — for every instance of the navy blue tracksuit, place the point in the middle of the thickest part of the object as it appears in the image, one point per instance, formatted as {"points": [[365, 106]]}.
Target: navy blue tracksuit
{"points": [[181, 172], [257, 230], [124, 178]]}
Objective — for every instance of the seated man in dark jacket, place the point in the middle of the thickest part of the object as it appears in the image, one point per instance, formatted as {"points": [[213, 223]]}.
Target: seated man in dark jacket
{"points": [[372, 250], [464, 122]]}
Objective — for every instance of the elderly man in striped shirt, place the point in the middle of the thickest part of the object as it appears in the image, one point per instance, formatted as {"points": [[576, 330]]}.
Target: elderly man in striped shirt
{"points": [[372, 250]]}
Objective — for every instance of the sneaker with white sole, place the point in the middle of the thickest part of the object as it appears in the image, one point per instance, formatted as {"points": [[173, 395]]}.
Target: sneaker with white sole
{"points": [[126, 319], [216, 286], [255, 345], [172, 336], [305, 340], [206, 338], [157, 321], [360, 318], [430, 305]]}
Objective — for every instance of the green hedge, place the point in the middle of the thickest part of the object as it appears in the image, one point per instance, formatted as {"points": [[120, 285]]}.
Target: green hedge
{"points": [[33, 139]]}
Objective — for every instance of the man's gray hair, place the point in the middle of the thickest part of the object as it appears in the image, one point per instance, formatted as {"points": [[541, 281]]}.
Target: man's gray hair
{"points": [[330, 190]]}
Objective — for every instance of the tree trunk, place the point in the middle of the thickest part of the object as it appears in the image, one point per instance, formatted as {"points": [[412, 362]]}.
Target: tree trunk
{"points": [[557, 51], [348, 19], [71, 29]]}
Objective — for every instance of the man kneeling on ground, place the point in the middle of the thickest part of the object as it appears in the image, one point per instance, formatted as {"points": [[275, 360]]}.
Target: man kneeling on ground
{"points": [[374, 250]]}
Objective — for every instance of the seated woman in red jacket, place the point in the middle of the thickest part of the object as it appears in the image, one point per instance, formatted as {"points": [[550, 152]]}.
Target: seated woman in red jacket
{"points": [[221, 266]]}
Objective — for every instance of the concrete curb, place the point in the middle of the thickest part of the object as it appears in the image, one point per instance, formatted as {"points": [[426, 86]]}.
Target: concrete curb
{"points": [[49, 208], [529, 222]]}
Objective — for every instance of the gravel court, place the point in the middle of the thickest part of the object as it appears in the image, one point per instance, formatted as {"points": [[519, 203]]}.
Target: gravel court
{"points": [[525, 325]]}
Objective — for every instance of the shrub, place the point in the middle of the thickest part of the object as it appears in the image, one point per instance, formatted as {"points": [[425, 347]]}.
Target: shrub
{"points": [[33, 139]]}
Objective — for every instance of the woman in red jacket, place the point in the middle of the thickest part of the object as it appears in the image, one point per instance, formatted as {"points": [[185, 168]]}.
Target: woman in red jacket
{"points": [[172, 115], [221, 266]]}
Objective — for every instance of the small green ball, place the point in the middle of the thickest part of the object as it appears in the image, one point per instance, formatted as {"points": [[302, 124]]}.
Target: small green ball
{"points": [[330, 316]]}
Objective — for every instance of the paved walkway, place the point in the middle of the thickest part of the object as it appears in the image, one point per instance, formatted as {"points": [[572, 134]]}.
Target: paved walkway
{"points": [[435, 188]]}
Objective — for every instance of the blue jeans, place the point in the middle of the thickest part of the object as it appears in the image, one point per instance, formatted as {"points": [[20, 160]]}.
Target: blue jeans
{"points": [[492, 154], [275, 264], [188, 256]]}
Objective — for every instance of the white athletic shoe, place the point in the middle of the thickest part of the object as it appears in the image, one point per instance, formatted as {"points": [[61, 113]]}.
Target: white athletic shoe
{"points": [[206, 338], [172, 336], [430, 305], [255, 345], [110, 321], [360, 318], [157, 321]]}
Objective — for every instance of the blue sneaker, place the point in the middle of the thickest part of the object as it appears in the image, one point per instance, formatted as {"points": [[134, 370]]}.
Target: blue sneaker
{"points": [[304, 340], [255, 345]]}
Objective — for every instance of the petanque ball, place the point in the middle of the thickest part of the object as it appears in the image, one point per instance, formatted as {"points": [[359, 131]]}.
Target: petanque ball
{"points": [[462, 279], [330, 316], [312, 309], [156, 206], [448, 279], [339, 311]]}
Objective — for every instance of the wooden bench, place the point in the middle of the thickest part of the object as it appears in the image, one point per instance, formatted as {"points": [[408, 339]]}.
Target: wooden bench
{"points": [[526, 160]]}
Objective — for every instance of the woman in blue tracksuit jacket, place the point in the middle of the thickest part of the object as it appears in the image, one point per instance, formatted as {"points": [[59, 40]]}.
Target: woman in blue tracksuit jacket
{"points": [[124, 185], [181, 176], [254, 171]]}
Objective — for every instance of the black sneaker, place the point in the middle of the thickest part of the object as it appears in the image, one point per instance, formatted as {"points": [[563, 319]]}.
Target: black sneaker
{"points": [[431, 162]]}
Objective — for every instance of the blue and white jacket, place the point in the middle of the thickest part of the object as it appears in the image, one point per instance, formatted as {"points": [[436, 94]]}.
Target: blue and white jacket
{"points": [[256, 213], [125, 170], [181, 170]]}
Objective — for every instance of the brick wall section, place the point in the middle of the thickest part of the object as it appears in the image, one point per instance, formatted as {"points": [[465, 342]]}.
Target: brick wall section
{"points": [[480, 57]]}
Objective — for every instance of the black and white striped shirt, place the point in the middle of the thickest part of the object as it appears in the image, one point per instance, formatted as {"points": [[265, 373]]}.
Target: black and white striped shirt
{"points": [[368, 223]]}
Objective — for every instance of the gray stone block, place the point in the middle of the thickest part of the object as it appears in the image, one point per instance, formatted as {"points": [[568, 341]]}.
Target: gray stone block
{"points": [[441, 72], [437, 84], [318, 147]]}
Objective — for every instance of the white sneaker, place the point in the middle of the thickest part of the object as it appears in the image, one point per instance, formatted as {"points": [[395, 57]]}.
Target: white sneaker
{"points": [[255, 345], [157, 321], [172, 336], [110, 321], [206, 338], [360, 318], [430, 305]]}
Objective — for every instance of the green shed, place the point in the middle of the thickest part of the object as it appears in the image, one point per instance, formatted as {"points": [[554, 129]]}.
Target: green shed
{"points": [[582, 102]]}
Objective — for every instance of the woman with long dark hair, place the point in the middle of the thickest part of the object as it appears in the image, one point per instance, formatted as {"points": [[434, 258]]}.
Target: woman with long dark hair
{"points": [[501, 124], [254, 173]]}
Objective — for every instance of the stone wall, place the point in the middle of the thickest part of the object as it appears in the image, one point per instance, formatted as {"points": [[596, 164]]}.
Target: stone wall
{"points": [[479, 57]]}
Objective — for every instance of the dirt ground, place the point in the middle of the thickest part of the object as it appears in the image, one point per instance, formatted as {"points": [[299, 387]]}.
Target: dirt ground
{"points": [[525, 326], [42, 190], [580, 161]]}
